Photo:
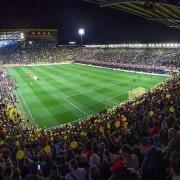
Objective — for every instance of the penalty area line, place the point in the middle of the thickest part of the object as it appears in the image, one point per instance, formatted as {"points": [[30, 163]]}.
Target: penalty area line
{"points": [[75, 106]]}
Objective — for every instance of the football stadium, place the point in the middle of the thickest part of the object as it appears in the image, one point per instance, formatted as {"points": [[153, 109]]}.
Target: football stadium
{"points": [[91, 111]]}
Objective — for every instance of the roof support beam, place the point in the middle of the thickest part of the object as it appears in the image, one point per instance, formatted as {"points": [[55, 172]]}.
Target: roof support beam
{"points": [[163, 18], [113, 2], [178, 27]]}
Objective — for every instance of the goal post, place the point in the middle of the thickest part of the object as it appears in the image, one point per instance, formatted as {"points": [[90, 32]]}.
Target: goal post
{"points": [[134, 93]]}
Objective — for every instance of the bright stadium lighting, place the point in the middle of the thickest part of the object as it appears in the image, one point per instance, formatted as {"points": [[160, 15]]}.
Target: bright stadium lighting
{"points": [[22, 35], [72, 42], [30, 42], [81, 33]]}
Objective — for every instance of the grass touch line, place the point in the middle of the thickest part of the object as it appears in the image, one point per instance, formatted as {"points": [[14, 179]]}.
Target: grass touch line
{"points": [[123, 70], [18, 91]]}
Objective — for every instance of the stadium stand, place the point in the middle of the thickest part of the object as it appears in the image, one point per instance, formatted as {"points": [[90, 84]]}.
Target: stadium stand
{"points": [[139, 139], [147, 60]]}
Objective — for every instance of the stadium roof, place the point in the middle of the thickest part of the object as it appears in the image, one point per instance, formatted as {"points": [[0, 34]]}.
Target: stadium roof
{"points": [[161, 11]]}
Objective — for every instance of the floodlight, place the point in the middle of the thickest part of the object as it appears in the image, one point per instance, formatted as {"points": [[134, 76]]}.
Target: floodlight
{"points": [[30, 42], [81, 33], [22, 35]]}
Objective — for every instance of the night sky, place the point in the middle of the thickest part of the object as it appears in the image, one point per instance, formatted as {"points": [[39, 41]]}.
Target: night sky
{"points": [[102, 25]]}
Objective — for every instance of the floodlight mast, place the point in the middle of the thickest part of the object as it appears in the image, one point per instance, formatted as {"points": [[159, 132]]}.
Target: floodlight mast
{"points": [[81, 33]]}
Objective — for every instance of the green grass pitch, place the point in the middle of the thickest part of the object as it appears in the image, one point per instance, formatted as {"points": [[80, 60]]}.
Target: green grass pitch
{"points": [[68, 92]]}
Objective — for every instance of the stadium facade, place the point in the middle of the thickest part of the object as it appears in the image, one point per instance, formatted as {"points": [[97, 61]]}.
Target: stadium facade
{"points": [[31, 37]]}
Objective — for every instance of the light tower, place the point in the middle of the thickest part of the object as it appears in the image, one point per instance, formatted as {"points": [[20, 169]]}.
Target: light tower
{"points": [[81, 33]]}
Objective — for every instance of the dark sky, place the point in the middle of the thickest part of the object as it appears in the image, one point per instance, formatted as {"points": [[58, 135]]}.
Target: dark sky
{"points": [[102, 25]]}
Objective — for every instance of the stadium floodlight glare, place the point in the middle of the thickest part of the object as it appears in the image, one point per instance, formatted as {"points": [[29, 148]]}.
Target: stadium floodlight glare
{"points": [[72, 42], [22, 35], [30, 42], [81, 33], [175, 45]]}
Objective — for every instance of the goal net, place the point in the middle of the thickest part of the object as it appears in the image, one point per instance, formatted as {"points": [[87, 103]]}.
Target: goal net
{"points": [[136, 92]]}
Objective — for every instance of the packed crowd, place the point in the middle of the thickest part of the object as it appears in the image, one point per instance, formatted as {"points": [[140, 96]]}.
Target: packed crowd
{"points": [[36, 55], [149, 60], [139, 139]]}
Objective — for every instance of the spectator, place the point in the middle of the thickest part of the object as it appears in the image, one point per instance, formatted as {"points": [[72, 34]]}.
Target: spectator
{"points": [[16, 174], [173, 145], [119, 169], [153, 165], [130, 158], [75, 173], [94, 174], [95, 159], [175, 165], [35, 174]]}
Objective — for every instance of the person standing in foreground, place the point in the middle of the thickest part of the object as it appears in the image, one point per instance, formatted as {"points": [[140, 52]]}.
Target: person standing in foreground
{"points": [[118, 164], [175, 165], [75, 173], [153, 165]]}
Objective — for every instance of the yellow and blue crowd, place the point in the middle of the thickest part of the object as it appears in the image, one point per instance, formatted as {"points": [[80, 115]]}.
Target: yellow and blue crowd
{"points": [[139, 139]]}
